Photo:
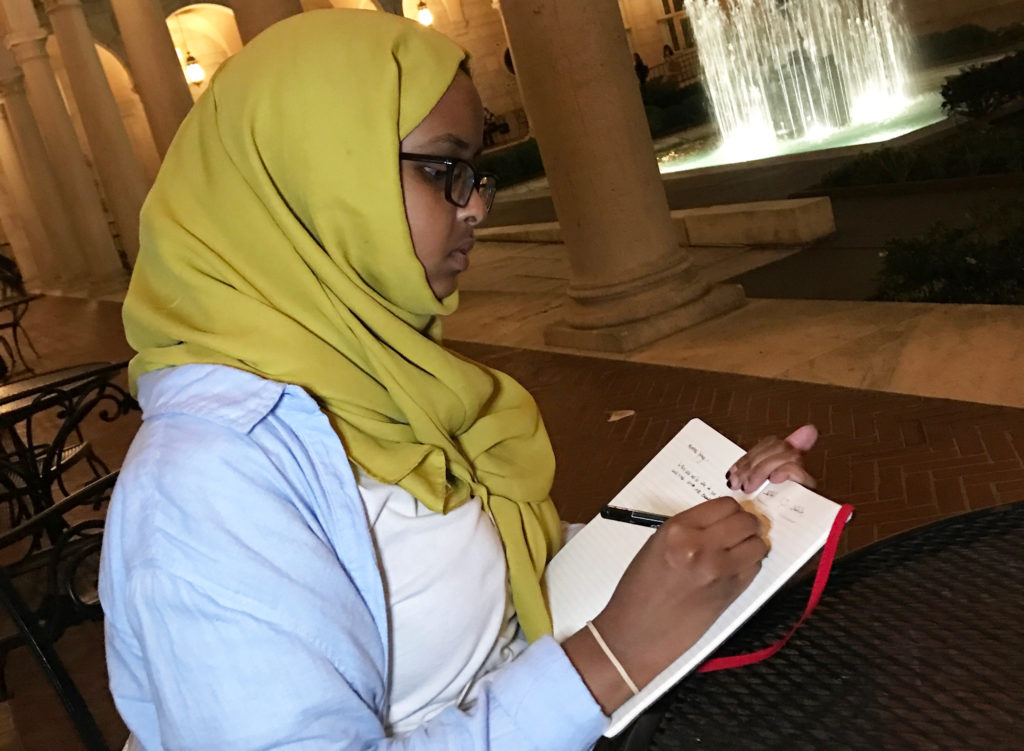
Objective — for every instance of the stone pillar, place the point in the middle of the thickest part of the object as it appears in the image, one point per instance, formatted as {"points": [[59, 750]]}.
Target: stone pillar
{"points": [[28, 43], [155, 68], [57, 256], [631, 282], [253, 16], [24, 233], [119, 169]]}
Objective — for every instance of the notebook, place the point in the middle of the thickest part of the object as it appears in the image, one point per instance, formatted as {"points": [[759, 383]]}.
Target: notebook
{"points": [[687, 471]]}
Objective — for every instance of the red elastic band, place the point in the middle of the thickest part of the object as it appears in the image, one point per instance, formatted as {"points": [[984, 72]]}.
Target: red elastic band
{"points": [[828, 554]]}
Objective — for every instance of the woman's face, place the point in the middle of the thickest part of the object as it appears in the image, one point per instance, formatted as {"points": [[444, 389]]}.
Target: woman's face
{"points": [[442, 233]]}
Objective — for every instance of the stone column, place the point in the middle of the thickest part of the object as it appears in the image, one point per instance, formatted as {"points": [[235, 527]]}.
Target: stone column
{"points": [[253, 16], [28, 43], [120, 171], [57, 255], [154, 66], [631, 282], [24, 233]]}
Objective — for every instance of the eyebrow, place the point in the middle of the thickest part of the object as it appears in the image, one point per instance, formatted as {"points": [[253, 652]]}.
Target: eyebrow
{"points": [[450, 139]]}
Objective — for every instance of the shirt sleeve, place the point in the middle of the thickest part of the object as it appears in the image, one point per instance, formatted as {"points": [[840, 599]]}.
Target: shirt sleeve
{"points": [[244, 625], [226, 678]]}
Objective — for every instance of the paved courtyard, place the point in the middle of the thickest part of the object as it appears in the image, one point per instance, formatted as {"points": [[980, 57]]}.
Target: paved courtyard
{"points": [[902, 459]]}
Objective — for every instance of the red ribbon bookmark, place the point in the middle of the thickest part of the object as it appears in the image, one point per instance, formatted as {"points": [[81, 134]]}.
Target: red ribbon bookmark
{"points": [[828, 554]]}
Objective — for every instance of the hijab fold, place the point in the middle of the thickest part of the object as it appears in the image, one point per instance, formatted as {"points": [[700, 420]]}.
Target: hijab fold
{"points": [[275, 241]]}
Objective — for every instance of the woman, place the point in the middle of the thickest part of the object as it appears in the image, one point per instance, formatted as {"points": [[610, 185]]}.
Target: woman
{"points": [[330, 530]]}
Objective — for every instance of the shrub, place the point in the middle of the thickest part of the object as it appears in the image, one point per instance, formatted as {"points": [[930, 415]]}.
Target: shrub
{"points": [[979, 90], [687, 114], [670, 108], [981, 263], [971, 151], [969, 40], [655, 119], [660, 93], [955, 44]]}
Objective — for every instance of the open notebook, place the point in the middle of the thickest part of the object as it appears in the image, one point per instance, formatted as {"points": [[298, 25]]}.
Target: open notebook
{"points": [[687, 471]]}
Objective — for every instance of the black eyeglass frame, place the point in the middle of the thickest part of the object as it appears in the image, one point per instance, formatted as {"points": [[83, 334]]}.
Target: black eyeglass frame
{"points": [[449, 176]]}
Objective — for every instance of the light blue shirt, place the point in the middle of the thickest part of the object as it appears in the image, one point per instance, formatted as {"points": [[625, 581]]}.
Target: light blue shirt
{"points": [[244, 606]]}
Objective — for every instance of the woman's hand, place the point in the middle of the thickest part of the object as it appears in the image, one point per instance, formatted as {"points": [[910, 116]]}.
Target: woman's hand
{"points": [[776, 460], [685, 575], [682, 579]]}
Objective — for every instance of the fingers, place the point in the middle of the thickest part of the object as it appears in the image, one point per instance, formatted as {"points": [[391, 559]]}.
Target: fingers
{"points": [[765, 468], [792, 471], [711, 512], [803, 438], [774, 459], [723, 519], [736, 529], [747, 556]]}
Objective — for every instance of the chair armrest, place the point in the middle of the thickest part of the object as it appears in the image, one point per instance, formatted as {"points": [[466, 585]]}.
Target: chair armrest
{"points": [[87, 494]]}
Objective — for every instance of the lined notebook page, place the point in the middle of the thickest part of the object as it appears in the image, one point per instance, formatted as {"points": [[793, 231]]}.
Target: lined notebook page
{"points": [[687, 471]]}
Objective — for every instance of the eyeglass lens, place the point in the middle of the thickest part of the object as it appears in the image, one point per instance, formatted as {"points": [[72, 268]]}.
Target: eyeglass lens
{"points": [[488, 187], [464, 180]]}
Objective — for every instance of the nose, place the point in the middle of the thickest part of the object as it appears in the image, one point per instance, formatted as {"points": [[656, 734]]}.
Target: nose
{"points": [[475, 211]]}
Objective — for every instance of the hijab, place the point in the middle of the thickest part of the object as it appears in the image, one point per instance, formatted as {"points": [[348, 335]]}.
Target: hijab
{"points": [[274, 240]]}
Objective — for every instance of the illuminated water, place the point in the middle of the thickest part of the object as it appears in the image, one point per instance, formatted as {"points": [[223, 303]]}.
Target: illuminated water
{"points": [[712, 151], [777, 70]]}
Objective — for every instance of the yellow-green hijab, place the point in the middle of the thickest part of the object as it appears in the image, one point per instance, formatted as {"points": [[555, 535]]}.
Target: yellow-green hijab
{"points": [[274, 240]]}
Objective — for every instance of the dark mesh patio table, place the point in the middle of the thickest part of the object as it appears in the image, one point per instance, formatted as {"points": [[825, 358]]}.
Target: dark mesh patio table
{"points": [[917, 643]]}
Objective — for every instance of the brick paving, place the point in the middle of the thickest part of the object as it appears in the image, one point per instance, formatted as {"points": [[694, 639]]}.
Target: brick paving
{"points": [[901, 460]]}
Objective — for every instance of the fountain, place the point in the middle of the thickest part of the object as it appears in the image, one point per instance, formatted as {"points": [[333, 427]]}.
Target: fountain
{"points": [[778, 70]]}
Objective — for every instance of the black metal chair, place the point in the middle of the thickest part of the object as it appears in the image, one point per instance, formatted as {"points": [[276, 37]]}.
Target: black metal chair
{"points": [[16, 306], [55, 487]]}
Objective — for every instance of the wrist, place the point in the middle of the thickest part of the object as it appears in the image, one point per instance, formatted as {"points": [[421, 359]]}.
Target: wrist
{"points": [[597, 671]]}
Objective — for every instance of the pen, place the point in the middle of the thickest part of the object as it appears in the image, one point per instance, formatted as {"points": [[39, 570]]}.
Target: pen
{"points": [[632, 516], [647, 518]]}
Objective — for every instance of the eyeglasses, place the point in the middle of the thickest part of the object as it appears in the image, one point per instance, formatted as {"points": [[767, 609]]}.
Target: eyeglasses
{"points": [[460, 179]]}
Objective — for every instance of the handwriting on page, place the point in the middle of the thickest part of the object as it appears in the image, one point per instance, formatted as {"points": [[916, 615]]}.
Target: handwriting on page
{"points": [[783, 504], [694, 480]]}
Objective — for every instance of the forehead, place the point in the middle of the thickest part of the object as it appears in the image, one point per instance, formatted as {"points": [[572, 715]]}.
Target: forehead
{"points": [[459, 112]]}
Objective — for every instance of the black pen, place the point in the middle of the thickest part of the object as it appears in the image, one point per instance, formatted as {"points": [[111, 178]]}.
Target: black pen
{"points": [[632, 516]]}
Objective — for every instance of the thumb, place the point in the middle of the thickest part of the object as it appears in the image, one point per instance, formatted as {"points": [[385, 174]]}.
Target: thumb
{"points": [[803, 438]]}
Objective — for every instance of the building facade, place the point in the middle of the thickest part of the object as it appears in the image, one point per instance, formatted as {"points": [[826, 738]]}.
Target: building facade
{"points": [[92, 92]]}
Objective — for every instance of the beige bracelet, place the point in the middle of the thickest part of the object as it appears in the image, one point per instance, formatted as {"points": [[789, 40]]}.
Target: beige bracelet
{"points": [[618, 665]]}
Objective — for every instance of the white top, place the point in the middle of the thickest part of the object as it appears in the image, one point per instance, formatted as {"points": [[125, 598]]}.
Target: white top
{"points": [[449, 608]]}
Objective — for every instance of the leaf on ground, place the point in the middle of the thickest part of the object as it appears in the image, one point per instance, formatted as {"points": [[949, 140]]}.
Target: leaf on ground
{"points": [[620, 414]]}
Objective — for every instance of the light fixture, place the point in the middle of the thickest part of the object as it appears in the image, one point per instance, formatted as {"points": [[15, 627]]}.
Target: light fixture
{"points": [[423, 14], [194, 72]]}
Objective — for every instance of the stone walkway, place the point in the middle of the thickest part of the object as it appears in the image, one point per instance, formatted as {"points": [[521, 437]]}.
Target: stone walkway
{"points": [[903, 460], [967, 352]]}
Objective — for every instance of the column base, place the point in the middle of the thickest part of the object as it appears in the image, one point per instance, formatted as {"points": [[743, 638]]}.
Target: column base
{"points": [[108, 287], [720, 298]]}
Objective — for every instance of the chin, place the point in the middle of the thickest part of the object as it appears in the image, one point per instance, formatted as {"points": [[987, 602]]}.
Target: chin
{"points": [[443, 288]]}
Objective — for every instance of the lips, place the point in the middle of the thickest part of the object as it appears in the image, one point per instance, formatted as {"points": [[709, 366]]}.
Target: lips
{"points": [[460, 254]]}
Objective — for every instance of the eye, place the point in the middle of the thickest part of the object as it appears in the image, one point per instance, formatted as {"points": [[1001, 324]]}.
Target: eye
{"points": [[434, 173]]}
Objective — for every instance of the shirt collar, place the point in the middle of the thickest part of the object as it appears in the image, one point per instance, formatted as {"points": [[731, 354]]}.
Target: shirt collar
{"points": [[225, 395]]}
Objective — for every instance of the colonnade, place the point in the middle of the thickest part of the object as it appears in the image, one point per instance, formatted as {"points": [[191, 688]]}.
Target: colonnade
{"points": [[62, 206], [631, 281]]}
